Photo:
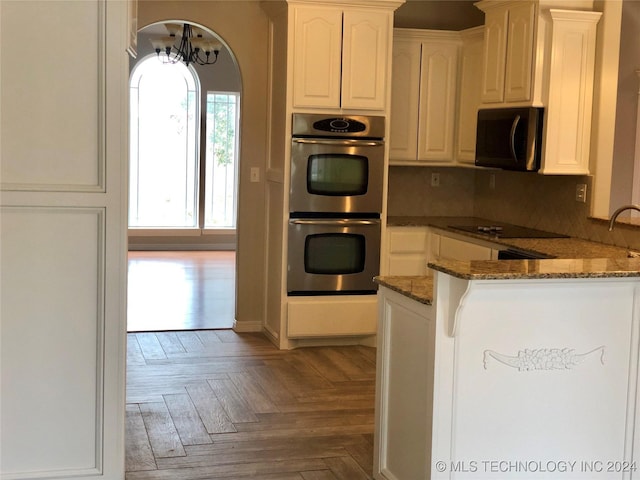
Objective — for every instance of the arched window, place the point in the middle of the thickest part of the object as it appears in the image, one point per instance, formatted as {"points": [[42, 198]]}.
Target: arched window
{"points": [[164, 178]]}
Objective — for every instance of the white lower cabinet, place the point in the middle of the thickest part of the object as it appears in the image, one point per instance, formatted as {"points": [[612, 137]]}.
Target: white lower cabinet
{"points": [[408, 250], [455, 249], [404, 388]]}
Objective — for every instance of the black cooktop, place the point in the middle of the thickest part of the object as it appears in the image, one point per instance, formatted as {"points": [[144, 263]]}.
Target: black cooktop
{"points": [[504, 230]]}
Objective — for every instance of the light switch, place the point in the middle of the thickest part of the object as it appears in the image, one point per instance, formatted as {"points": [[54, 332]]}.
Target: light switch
{"points": [[255, 174]]}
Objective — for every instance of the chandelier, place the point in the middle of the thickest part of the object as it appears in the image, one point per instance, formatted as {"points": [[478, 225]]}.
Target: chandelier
{"points": [[193, 46]]}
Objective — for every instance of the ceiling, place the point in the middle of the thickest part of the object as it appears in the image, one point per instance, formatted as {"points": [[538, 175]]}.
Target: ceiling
{"points": [[438, 14]]}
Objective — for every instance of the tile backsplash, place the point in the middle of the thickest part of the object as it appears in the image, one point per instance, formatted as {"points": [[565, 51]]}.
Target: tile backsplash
{"points": [[522, 198]]}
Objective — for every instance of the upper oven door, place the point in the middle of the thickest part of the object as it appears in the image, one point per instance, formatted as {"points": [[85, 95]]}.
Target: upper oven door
{"points": [[331, 175]]}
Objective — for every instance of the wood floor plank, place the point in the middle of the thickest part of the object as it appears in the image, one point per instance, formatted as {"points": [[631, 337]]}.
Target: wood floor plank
{"points": [[170, 343], [237, 409], [134, 352], [251, 392], [191, 342], [326, 367], [362, 452], [150, 346], [318, 475], [346, 468], [272, 385], [186, 420], [295, 450], [249, 470], [208, 338], [139, 455], [210, 409], [163, 435]]}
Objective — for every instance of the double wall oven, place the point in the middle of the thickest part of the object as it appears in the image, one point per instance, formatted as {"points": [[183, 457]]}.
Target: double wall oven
{"points": [[335, 201]]}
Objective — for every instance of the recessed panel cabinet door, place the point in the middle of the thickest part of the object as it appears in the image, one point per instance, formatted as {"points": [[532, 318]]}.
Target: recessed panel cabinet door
{"points": [[494, 53], [405, 94], [366, 49], [317, 57], [63, 224], [519, 59], [438, 88]]}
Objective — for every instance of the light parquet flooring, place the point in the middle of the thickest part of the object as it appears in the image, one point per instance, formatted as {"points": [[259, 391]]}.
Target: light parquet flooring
{"points": [[212, 404]]}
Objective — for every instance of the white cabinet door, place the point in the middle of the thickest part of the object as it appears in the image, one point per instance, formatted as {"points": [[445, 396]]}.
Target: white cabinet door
{"points": [[455, 249], [340, 57], [519, 57], [438, 88], [469, 98], [317, 57], [365, 57], [508, 52], [63, 222], [408, 250], [405, 95], [494, 54]]}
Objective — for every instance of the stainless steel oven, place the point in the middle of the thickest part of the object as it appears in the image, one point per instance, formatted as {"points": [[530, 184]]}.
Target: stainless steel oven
{"points": [[337, 164], [329, 256], [335, 200]]}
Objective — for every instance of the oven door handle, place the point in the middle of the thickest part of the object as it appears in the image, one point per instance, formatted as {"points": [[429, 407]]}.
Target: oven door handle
{"points": [[343, 142], [334, 221]]}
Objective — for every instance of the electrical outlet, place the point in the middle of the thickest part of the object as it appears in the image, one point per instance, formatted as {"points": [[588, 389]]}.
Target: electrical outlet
{"points": [[581, 192], [435, 179], [492, 181]]}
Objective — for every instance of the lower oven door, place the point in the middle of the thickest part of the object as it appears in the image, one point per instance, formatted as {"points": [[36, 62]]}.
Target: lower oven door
{"points": [[333, 256]]}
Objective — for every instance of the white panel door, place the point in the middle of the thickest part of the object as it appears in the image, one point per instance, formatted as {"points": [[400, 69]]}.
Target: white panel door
{"points": [[405, 95], [366, 46], [317, 57], [519, 57], [494, 54], [438, 88], [63, 157]]}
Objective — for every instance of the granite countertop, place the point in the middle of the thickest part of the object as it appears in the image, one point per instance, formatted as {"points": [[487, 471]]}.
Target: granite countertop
{"points": [[568, 258], [549, 247], [419, 288], [539, 269]]}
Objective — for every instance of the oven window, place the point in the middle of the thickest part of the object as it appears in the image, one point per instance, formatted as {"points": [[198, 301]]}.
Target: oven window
{"points": [[337, 174], [334, 253]]}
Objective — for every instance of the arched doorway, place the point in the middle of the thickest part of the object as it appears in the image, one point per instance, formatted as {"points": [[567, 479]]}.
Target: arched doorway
{"points": [[184, 160]]}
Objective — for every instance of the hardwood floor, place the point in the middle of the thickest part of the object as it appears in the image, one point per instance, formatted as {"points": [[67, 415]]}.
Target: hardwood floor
{"points": [[215, 404], [180, 290]]}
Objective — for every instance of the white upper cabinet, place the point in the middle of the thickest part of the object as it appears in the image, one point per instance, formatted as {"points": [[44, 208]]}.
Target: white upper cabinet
{"points": [[542, 54], [520, 47], [469, 98], [405, 96], [423, 96], [508, 51], [340, 57]]}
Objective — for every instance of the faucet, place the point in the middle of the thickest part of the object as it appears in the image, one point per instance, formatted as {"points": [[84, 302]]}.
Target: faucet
{"points": [[619, 211]]}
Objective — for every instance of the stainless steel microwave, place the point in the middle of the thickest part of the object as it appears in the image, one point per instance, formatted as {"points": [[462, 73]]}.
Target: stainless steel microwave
{"points": [[509, 138]]}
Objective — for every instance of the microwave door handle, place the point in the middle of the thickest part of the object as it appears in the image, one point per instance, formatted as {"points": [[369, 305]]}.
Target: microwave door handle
{"points": [[512, 137], [343, 142]]}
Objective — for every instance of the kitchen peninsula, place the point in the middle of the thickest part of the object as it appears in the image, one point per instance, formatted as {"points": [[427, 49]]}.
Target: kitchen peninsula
{"points": [[524, 366]]}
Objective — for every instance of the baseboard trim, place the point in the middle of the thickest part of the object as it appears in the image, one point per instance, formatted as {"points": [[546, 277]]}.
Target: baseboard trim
{"points": [[247, 327]]}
